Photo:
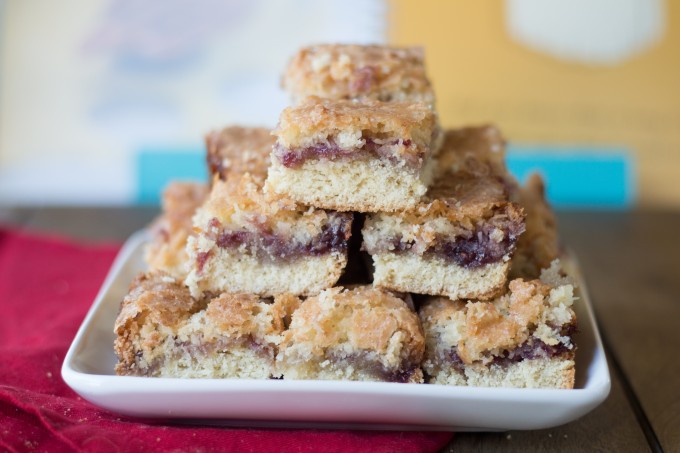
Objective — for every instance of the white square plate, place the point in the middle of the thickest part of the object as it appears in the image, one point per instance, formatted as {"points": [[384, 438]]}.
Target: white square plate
{"points": [[88, 369]]}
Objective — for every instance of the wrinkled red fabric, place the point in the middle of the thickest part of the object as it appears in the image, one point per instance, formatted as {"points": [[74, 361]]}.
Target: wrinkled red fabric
{"points": [[47, 285]]}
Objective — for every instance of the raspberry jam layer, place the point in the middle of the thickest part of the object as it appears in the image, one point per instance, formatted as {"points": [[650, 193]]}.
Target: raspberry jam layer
{"points": [[213, 347], [394, 150], [197, 351], [475, 250], [533, 348], [216, 165], [263, 243], [367, 363]]}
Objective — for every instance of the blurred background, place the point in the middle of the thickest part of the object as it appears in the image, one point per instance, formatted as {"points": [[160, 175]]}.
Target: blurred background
{"points": [[103, 101]]}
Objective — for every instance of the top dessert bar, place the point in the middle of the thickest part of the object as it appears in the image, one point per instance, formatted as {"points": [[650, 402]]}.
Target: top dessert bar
{"points": [[236, 150], [336, 71], [459, 239], [166, 250], [354, 156]]}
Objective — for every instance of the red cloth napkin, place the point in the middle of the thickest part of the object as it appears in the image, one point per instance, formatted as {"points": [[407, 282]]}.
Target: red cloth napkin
{"points": [[46, 286]]}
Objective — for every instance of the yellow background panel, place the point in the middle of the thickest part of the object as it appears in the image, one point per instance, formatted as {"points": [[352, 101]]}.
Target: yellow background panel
{"points": [[480, 74]]}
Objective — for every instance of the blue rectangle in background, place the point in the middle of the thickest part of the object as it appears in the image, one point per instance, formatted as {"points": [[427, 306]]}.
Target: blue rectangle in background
{"points": [[577, 176], [155, 168]]}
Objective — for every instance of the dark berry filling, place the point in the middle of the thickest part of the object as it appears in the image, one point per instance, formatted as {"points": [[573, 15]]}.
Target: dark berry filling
{"points": [[371, 366], [216, 165], [454, 360], [480, 249], [364, 79], [222, 345], [202, 349], [264, 243], [533, 348], [295, 157], [401, 376], [471, 251], [201, 259]]}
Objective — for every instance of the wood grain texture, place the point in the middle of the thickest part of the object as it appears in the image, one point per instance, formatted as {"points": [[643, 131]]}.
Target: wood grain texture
{"points": [[632, 266], [610, 427]]}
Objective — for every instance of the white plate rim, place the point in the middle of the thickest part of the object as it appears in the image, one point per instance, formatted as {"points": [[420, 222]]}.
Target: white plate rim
{"points": [[103, 390]]}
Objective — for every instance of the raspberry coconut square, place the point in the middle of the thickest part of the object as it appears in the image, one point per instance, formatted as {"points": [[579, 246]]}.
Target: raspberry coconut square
{"points": [[354, 156], [521, 339], [246, 241], [359, 334], [162, 331], [459, 239]]}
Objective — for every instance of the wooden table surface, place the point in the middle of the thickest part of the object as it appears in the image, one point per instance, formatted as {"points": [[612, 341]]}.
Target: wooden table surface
{"points": [[632, 265]]}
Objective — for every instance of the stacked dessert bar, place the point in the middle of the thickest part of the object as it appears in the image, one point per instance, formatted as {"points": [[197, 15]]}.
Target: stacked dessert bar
{"points": [[299, 258]]}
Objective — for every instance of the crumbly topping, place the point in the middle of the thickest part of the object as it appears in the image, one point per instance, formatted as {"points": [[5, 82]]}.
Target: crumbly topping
{"points": [[180, 201], [243, 196], [349, 124], [241, 204], [460, 197], [156, 298], [425, 231], [337, 71], [539, 245], [166, 251], [555, 275], [474, 150], [284, 306], [236, 150], [472, 177], [481, 330], [355, 321], [472, 243], [468, 194], [237, 316]]}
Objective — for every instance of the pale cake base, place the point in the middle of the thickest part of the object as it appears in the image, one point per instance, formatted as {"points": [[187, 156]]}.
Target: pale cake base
{"points": [[232, 362], [408, 272], [362, 185], [535, 373], [301, 365], [234, 271]]}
